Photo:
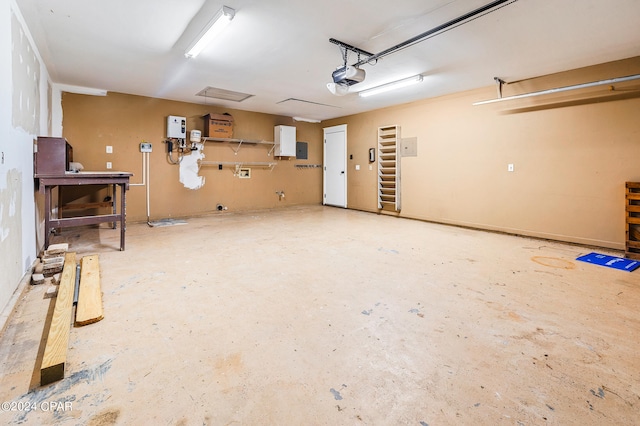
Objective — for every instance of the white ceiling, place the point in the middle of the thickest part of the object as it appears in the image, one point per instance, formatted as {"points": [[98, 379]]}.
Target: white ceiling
{"points": [[280, 49]]}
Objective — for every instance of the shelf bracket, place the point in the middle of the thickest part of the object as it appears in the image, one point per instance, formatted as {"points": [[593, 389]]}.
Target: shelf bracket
{"points": [[499, 83], [235, 151]]}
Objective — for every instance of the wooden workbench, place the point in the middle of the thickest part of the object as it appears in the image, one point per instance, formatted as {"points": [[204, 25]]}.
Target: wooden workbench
{"points": [[47, 182]]}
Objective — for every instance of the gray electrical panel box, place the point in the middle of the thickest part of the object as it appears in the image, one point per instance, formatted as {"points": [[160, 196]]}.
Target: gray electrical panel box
{"points": [[409, 147], [301, 151]]}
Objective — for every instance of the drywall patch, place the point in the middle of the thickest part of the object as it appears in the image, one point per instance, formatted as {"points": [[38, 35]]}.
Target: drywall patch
{"points": [[189, 169], [26, 80], [10, 204], [10, 233], [49, 108]]}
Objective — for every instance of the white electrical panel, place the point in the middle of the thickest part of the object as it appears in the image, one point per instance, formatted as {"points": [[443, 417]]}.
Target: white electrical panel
{"points": [[176, 127], [285, 141]]}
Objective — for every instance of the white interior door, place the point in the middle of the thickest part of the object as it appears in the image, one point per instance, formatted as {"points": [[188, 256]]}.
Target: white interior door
{"points": [[335, 166]]}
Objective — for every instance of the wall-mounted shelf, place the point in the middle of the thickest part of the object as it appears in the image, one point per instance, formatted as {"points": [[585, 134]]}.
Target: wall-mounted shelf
{"points": [[240, 142], [389, 168], [237, 165]]}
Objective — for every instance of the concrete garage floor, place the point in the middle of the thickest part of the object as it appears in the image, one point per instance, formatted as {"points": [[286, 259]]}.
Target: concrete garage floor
{"points": [[324, 316]]}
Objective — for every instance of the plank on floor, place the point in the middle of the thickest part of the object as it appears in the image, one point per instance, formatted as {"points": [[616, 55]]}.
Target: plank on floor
{"points": [[55, 352], [89, 309]]}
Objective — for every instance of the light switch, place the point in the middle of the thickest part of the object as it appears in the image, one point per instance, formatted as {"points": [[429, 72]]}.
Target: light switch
{"points": [[357, 166], [109, 149], [510, 167]]}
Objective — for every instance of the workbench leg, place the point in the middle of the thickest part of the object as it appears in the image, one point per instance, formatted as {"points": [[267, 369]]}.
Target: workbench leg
{"points": [[113, 204], [123, 210], [57, 231], [47, 215]]}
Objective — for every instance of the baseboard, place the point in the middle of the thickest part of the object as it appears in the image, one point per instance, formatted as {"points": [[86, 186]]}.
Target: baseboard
{"points": [[8, 310]]}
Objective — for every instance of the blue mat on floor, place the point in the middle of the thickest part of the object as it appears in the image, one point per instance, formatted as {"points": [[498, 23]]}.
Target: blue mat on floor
{"points": [[610, 261]]}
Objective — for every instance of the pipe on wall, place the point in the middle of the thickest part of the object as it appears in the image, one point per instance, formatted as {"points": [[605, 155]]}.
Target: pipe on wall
{"points": [[562, 89]]}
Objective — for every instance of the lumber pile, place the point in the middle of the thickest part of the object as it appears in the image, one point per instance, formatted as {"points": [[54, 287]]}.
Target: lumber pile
{"points": [[53, 259], [89, 305], [49, 264], [55, 352], [89, 309]]}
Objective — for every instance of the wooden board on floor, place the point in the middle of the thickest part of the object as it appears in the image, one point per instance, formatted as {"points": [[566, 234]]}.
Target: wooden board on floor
{"points": [[55, 352], [89, 309]]}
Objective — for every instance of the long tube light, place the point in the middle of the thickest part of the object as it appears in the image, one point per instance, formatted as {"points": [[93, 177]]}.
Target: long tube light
{"points": [[562, 89], [210, 31], [391, 86], [305, 119]]}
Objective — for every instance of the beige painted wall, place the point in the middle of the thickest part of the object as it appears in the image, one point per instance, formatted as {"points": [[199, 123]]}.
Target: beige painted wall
{"points": [[91, 123], [572, 154]]}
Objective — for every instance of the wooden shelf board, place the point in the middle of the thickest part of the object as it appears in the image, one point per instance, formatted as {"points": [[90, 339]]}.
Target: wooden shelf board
{"points": [[55, 351], [89, 309]]}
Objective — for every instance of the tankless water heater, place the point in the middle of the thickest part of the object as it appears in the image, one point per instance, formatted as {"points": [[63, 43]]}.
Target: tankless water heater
{"points": [[176, 127]]}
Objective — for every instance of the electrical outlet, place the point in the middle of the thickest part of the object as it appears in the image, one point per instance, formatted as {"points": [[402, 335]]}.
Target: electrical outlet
{"points": [[510, 168], [109, 149], [145, 147], [108, 164]]}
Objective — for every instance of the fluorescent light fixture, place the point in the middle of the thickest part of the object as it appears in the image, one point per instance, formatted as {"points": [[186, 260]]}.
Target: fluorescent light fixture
{"points": [[210, 31], [391, 86], [307, 120], [80, 90]]}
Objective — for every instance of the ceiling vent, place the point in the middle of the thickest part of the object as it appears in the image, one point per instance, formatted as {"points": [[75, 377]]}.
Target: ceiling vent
{"points": [[227, 95]]}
